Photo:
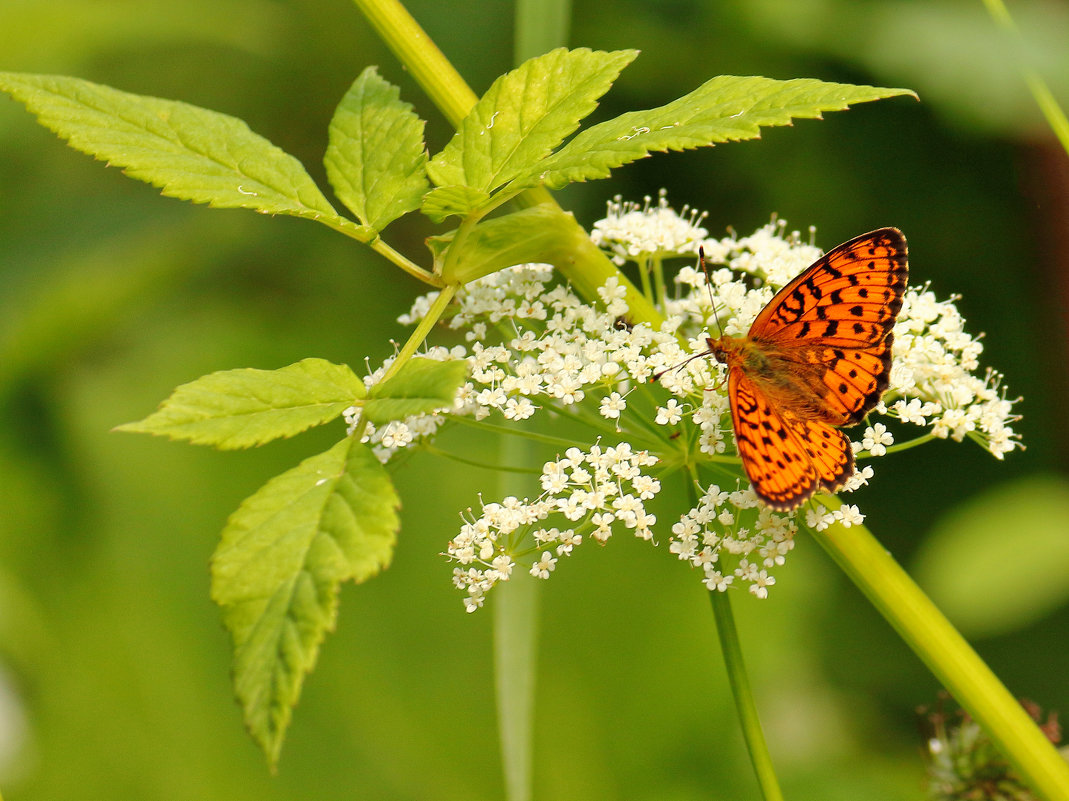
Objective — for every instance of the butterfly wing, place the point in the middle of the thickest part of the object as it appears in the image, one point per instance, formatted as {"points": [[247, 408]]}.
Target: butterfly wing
{"points": [[786, 458], [848, 298]]}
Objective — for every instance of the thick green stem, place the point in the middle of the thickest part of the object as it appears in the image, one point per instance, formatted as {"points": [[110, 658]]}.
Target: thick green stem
{"points": [[744, 702], [948, 656]]}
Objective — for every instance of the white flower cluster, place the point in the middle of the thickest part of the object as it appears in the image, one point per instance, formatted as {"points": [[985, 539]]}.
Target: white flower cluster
{"points": [[713, 528], [934, 382], [630, 232], [591, 490], [534, 347]]}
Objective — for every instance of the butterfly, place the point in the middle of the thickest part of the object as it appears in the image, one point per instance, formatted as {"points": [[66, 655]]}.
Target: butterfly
{"points": [[817, 357]]}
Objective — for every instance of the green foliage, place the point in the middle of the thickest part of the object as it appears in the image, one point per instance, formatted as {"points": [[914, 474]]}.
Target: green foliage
{"points": [[537, 234], [725, 109], [524, 115], [376, 158], [420, 387], [186, 151], [445, 201], [276, 572], [247, 407]]}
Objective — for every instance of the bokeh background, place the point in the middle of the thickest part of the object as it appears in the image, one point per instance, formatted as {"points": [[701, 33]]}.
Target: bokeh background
{"points": [[113, 663]]}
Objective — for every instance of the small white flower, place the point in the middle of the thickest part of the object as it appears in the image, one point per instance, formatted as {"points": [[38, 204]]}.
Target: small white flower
{"points": [[544, 566], [876, 439], [612, 405], [670, 414]]}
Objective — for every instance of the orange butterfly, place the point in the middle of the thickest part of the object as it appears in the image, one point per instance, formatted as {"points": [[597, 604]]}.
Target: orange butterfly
{"points": [[818, 356]]}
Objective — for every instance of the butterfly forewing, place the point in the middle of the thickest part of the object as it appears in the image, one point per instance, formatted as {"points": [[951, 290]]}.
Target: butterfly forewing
{"points": [[849, 297], [853, 380]]}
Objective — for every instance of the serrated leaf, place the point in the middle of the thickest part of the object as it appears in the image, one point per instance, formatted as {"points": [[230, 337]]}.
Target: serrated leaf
{"points": [[276, 573], [1012, 536], [188, 152], [540, 233], [524, 115], [446, 201], [725, 109], [421, 386], [376, 159], [246, 407]]}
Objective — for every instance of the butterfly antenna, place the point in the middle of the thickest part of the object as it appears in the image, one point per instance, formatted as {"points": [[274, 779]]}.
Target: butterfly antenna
{"points": [[708, 285], [709, 288], [674, 367]]}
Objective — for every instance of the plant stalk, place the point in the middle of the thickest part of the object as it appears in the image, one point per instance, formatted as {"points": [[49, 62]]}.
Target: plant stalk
{"points": [[743, 694], [946, 653]]}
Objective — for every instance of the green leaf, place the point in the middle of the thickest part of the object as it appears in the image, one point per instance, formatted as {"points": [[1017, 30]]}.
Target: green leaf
{"points": [[725, 109], [449, 200], [276, 573], [524, 115], [541, 233], [376, 159], [421, 386], [1000, 562], [246, 407], [188, 152]]}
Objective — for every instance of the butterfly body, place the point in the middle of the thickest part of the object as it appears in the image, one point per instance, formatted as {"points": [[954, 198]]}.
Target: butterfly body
{"points": [[817, 357]]}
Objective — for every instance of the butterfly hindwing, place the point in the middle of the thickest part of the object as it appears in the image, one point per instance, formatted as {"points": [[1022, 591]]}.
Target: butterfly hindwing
{"points": [[777, 463]]}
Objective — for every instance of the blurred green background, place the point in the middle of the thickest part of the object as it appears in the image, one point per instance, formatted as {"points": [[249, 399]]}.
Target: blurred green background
{"points": [[113, 663]]}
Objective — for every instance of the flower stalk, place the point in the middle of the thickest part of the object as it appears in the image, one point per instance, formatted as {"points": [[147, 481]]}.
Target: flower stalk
{"points": [[739, 680]]}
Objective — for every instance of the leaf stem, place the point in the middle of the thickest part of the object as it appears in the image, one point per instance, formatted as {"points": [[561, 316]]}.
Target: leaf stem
{"points": [[434, 314], [947, 655], [417, 338], [545, 439], [410, 267], [496, 468], [1041, 93]]}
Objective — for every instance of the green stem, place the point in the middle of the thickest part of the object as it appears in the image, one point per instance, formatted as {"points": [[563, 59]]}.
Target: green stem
{"points": [[739, 680], [513, 431], [540, 26], [421, 57], [644, 275], [744, 702], [495, 468], [912, 443], [406, 264], [658, 282], [948, 656], [434, 314], [515, 646]]}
